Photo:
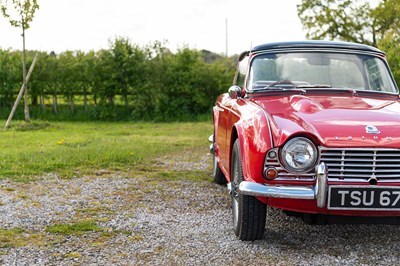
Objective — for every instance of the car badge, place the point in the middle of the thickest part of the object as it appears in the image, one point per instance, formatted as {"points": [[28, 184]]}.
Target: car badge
{"points": [[372, 129]]}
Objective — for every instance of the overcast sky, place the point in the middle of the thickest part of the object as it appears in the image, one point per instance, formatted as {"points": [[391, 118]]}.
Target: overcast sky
{"points": [[61, 25]]}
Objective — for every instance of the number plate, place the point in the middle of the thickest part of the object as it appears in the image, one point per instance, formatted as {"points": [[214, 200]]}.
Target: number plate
{"points": [[364, 198]]}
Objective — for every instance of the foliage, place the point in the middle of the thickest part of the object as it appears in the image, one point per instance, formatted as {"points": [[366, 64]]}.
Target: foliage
{"points": [[347, 20], [124, 82], [387, 18], [390, 44], [354, 21], [25, 11], [387, 15]]}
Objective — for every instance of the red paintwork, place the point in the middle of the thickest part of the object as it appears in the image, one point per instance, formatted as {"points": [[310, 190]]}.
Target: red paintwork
{"points": [[328, 119], [331, 119], [249, 122]]}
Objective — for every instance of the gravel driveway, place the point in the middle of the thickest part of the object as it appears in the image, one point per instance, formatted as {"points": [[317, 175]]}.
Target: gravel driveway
{"points": [[152, 221]]}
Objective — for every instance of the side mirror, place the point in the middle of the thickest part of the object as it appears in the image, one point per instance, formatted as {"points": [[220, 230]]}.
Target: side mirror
{"points": [[235, 92]]}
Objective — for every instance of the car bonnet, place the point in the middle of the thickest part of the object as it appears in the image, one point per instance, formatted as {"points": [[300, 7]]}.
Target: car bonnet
{"points": [[334, 120]]}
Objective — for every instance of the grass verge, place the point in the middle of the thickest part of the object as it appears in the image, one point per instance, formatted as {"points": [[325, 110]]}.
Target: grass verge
{"points": [[71, 149]]}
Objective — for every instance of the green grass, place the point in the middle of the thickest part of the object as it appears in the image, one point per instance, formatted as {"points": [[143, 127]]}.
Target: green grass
{"points": [[18, 237], [72, 149], [74, 228]]}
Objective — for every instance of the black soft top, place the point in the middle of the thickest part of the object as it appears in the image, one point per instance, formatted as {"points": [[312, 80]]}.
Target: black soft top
{"points": [[316, 45]]}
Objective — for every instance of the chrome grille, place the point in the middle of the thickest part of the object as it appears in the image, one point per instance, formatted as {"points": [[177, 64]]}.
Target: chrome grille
{"points": [[362, 164]]}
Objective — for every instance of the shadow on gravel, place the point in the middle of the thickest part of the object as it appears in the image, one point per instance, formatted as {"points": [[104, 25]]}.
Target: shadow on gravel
{"points": [[348, 243]]}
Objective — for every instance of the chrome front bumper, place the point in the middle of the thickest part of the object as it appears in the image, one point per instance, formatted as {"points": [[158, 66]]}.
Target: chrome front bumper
{"points": [[317, 192]]}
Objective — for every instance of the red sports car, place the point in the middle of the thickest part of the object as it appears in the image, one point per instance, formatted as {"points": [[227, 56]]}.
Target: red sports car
{"points": [[312, 128]]}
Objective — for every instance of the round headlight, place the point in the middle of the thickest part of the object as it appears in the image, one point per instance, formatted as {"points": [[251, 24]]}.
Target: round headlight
{"points": [[298, 155]]}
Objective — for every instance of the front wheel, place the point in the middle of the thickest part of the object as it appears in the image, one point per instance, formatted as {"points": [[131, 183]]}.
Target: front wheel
{"points": [[249, 214]]}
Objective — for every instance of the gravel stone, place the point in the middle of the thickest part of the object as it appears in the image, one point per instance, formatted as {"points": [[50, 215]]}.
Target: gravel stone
{"points": [[151, 221]]}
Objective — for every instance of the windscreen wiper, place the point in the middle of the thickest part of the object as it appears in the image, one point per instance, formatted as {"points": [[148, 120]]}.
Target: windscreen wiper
{"points": [[280, 84], [317, 86], [279, 89]]}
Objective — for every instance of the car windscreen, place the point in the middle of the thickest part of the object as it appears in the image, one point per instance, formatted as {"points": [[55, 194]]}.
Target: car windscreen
{"points": [[320, 70]]}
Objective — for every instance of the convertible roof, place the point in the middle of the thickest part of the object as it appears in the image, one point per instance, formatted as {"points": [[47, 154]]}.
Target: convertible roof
{"points": [[316, 45]]}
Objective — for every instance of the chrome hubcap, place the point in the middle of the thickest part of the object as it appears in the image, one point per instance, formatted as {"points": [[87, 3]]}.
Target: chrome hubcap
{"points": [[235, 211], [235, 196]]}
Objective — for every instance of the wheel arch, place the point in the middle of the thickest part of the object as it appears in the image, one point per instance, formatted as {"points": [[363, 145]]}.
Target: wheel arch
{"points": [[238, 134], [254, 141]]}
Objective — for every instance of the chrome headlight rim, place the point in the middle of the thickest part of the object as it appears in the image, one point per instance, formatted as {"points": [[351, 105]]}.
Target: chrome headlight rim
{"points": [[309, 165]]}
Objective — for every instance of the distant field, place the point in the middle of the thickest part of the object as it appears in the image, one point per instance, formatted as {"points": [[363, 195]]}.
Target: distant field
{"points": [[71, 149]]}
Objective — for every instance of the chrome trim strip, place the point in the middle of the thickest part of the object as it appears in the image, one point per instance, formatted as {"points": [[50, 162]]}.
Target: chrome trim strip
{"points": [[218, 109], [319, 49], [290, 192], [268, 118], [294, 178], [321, 185]]}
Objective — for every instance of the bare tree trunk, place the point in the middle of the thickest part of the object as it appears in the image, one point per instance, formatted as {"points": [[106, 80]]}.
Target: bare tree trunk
{"points": [[71, 102], [126, 101], [26, 99], [42, 103], [111, 100], [85, 100], [55, 103]]}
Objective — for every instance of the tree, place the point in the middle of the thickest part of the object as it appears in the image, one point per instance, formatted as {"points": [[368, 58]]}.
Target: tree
{"points": [[20, 14], [127, 63], [347, 20], [355, 21], [9, 76], [387, 18], [390, 44]]}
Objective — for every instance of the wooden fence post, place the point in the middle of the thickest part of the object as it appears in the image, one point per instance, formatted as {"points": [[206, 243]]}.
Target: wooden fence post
{"points": [[21, 92]]}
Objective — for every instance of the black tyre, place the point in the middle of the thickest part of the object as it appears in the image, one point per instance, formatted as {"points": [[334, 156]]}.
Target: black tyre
{"points": [[249, 214], [217, 173]]}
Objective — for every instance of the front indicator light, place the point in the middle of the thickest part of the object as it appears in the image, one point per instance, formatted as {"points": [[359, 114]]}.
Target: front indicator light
{"points": [[270, 173]]}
